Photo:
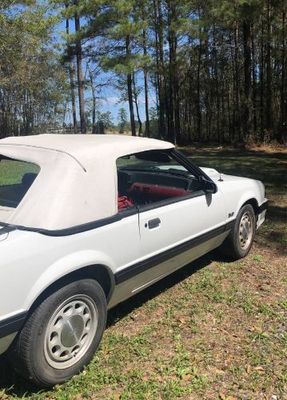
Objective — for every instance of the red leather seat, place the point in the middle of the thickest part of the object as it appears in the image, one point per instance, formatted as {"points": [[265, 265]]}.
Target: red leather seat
{"points": [[124, 202], [157, 191]]}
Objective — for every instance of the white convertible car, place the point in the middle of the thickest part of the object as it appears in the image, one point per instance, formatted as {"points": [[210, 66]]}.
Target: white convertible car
{"points": [[88, 221]]}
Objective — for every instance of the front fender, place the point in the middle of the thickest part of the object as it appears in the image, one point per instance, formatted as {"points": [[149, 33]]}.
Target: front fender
{"points": [[244, 199], [237, 191]]}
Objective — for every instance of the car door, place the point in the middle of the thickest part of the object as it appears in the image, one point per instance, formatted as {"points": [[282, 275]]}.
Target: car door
{"points": [[182, 225], [177, 233]]}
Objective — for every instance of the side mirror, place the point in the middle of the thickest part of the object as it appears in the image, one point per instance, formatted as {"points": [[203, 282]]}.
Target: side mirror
{"points": [[208, 186]]}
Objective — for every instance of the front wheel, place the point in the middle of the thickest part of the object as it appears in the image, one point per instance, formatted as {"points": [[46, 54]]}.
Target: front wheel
{"points": [[62, 334], [239, 241]]}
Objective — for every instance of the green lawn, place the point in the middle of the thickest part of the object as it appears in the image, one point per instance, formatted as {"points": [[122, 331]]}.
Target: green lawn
{"points": [[11, 172], [213, 330]]}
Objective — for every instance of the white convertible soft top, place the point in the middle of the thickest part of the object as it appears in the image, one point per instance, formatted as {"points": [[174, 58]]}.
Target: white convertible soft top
{"points": [[77, 182]]}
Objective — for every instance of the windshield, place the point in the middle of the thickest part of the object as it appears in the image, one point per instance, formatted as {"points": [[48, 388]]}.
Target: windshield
{"points": [[153, 161], [16, 177]]}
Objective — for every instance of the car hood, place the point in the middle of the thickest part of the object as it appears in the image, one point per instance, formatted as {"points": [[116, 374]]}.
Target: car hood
{"points": [[234, 184], [211, 172], [220, 177]]}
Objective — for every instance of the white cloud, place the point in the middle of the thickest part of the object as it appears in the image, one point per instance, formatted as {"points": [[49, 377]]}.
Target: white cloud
{"points": [[111, 100]]}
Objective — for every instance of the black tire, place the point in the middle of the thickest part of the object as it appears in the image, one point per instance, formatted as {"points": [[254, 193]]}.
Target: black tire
{"points": [[234, 246], [32, 354]]}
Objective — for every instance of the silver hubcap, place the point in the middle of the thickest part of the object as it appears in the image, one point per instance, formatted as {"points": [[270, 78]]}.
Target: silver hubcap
{"points": [[70, 331], [245, 231]]}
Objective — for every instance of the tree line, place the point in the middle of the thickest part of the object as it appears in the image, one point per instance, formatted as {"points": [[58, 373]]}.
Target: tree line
{"points": [[205, 71]]}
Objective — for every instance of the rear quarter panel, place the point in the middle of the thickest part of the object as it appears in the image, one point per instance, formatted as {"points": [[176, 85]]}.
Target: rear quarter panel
{"points": [[30, 261]]}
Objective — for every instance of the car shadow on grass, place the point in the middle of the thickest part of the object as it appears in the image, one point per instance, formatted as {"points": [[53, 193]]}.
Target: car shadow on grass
{"points": [[128, 306], [11, 384]]}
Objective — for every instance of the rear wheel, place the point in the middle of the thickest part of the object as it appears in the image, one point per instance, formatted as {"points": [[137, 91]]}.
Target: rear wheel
{"points": [[239, 241], [62, 334]]}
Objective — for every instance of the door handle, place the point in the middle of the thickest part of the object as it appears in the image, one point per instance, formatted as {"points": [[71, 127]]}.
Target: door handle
{"points": [[153, 223]]}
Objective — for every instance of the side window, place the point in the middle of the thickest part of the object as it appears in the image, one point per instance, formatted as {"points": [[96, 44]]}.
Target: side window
{"points": [[16, 177], [150, 177]]}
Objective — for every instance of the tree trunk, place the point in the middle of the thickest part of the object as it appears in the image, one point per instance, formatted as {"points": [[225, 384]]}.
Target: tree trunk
{"points": [[72, 81], [94, 103], [198, 89], [147, 123], [247, 78], [137, 105], [237, 83], [262, 85], [282, 137], [269, 108], [254, 84], [160, 78], [130, 91], [173, 109], [79, 57], [73, 97]]}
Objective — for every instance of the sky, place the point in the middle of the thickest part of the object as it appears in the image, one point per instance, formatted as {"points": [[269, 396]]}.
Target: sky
{"points": [[109, 96], [110, 102]]}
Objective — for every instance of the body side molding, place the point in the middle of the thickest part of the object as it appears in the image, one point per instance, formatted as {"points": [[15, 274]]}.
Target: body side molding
{"points": [[142, 266], [12, 324]]}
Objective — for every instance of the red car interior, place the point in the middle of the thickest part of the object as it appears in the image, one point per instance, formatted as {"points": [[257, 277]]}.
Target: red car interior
{"points": [[157, 190], [124, 202]]}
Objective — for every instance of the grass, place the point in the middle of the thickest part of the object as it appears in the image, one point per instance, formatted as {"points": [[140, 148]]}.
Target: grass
{"points": [[213, 330], [11, 172]]}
